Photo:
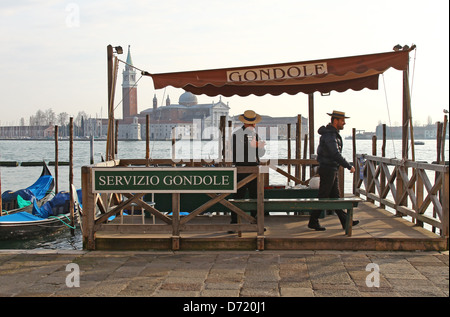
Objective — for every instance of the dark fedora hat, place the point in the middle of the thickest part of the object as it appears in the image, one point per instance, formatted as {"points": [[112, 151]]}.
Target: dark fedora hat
{"points": [[337, 114]]}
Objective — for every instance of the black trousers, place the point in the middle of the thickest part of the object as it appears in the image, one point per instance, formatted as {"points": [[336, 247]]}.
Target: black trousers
{"points": [[328, 188], [251, 187]]}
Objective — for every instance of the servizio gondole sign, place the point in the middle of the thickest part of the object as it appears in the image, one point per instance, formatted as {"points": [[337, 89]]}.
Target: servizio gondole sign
{"points": [[164, 180]]}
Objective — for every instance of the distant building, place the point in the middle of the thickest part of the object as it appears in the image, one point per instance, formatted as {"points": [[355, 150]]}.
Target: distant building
{"points": [[420, 132], [201, 119], [130, 131], [188, 117], [129, 90], [280, 125]]}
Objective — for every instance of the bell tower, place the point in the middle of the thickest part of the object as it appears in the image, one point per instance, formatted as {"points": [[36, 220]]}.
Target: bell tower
{"points": [[129, 89]]}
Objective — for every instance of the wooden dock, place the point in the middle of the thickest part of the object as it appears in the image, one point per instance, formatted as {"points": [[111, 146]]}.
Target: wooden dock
{"points": [[378, 230]]}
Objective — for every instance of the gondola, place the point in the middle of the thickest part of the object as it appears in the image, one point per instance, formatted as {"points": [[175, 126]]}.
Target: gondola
{"points": [[51, 217], [22, 200]]}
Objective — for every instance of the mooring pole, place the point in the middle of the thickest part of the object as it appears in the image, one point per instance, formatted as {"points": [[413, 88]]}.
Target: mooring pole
{"points": [[71, 205], [56, 159]]}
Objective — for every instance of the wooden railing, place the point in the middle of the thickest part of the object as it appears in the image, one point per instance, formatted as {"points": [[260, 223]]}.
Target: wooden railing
{"points": [[97, 208], [405, 186]]}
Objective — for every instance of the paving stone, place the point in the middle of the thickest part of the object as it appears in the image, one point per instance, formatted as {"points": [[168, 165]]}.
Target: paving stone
{"points": [[296, 292], [225, 274]]}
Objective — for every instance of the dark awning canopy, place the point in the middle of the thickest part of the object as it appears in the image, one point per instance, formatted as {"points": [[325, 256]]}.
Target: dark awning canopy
{"points": [[324, 75]]}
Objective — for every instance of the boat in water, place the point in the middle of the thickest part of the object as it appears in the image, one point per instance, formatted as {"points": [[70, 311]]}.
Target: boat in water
{"points": [[22, 200], [52, 216]]}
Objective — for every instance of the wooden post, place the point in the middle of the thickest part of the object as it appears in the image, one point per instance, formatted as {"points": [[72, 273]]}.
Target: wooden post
{"points": [[112, 78], [147, 139], [116, 137], [382, 174], [305, 153], [109, 58], [260, 208], [311, 128], [89, 209], [405, 116], [298, 145], [175, 221], [355, 163], [311, 123], [222, 123], [445, 206], [444, 132], [71, 205], [56, 159], [91, 148], [341, 181], [173, 146], [401, 187], [230, 149], [370, 176], [288, 150], [1, 203], [438, 159]]}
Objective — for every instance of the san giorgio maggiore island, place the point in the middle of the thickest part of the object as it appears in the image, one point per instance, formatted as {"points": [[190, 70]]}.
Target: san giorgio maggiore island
{"points": [[191, 119]]}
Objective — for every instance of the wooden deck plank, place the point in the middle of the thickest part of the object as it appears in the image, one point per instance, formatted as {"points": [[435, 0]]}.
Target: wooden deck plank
{"points": [[378, 230]]}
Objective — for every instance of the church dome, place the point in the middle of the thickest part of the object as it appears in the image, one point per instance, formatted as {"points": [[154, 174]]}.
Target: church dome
{"points": [[188, 99]]}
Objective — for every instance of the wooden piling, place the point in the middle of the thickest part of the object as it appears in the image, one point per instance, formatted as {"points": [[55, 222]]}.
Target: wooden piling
{"points": [[311, 123], [116, 137], [382, 173], [71, 205], [288, 149], [305, 154], [175, 221], [89, 208], [1, 208], [147, 139], [56, 158], [444, 132], [173, 146], [298, 145], [91, 149], [355, 162], [222, 124]]}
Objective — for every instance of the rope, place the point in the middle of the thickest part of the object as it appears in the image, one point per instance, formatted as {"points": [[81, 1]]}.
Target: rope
{"points": [[389, 115], [63, 221], [143, 72], [135, 84], [412, 78]]}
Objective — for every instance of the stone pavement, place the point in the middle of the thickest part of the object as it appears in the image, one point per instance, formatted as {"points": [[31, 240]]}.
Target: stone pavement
{"points": [[223, 274]]}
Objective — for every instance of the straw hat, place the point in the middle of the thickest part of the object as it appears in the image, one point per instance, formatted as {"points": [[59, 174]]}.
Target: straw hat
{"points": [[337, 114], [250, 117]]}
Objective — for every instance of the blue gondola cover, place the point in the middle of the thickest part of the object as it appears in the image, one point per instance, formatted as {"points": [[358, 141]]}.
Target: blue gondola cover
{"points": [[58, 205]]}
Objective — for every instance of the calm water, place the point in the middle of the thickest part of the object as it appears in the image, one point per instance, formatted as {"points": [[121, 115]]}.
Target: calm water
{"points": [[13, 178]]}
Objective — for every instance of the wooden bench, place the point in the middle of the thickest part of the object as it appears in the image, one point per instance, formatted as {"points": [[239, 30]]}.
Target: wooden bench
{"points": [[303, 204]]}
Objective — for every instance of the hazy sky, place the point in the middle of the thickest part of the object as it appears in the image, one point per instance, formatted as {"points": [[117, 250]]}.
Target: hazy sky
{"points": [[54, 52]]}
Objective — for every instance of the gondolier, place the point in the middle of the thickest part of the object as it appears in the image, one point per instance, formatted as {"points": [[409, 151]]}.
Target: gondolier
{"points": [[330, 158], [247, 150]]}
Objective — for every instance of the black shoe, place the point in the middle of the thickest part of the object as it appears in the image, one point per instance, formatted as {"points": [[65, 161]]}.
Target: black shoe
{"points": [[316, 227], [354, 223]]}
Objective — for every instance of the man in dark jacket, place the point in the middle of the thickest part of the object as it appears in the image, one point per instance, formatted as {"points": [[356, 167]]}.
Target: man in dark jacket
{"points": [[330, 158]]}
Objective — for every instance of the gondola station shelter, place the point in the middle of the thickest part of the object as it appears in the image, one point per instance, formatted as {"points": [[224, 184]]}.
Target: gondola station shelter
{"points": [[124, 177], [322, 75]]}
